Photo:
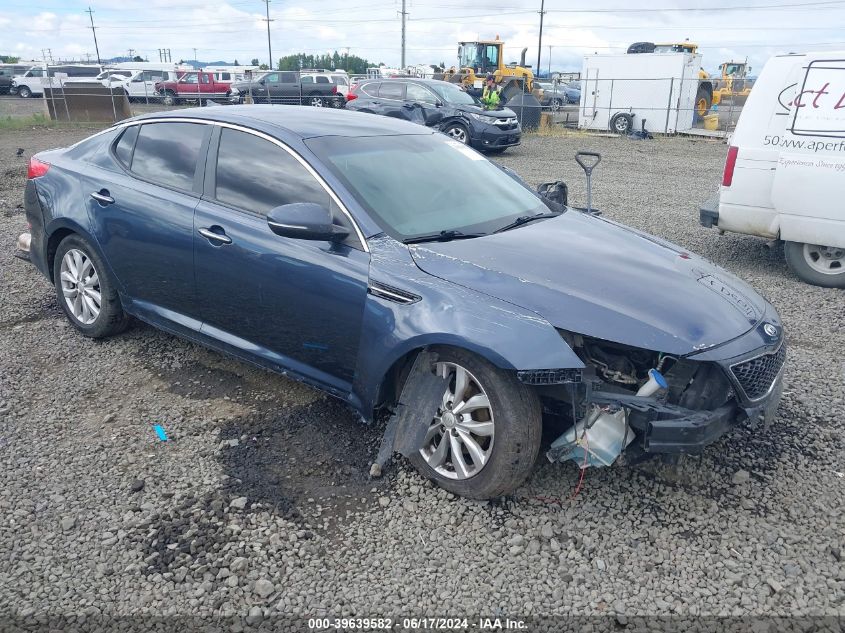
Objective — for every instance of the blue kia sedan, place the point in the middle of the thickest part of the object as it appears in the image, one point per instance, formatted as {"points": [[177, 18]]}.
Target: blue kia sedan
{"points": [[340, 249]]}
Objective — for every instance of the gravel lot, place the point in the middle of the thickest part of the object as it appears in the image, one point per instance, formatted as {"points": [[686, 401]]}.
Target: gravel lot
{"points": [[260, 503]]}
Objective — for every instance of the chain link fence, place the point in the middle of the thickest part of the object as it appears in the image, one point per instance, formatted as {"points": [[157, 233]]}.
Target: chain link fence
{"points": [[619, 105]]}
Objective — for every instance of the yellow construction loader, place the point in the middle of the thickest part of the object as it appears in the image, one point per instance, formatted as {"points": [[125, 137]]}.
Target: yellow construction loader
{"points": [[478, 59]]}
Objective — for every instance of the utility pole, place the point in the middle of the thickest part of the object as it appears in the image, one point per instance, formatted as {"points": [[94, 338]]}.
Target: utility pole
{"points": [[404, 16], [195, 54], [131, 50], [268, 20], [90, 13], [540, 40]]}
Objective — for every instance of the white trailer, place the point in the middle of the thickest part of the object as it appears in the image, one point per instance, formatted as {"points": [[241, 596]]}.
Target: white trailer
{"points": [[620, 91]]}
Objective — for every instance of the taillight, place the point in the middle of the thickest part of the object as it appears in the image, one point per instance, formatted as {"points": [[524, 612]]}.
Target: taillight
{"points": [[36, 168], [730, 163], [351, 94], [334, 90]]}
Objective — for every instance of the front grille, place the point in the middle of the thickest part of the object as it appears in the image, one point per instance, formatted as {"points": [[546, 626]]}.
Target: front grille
{"points": [[756, 376]]}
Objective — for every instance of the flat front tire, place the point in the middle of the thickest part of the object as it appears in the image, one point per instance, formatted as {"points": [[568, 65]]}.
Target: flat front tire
{"points": [[85, 290], [816, 264], [483, 441]]}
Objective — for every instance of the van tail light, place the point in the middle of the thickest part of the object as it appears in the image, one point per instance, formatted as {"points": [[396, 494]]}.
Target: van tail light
{"points": [[36, 168], [334, 89], [730, 163], [351, 94]]}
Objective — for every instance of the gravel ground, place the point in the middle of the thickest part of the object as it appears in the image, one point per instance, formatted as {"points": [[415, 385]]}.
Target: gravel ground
{"points": [[260, 502]]}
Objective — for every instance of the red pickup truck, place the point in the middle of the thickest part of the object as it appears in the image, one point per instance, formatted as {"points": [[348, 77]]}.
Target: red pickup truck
{"points": [[192, 86]]}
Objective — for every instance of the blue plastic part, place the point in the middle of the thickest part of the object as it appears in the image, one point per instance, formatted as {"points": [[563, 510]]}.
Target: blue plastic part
{"points": [[160, 432], [658, 378]]}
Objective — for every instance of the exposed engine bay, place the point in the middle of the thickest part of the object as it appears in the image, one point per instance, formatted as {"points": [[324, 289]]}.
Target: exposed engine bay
{"points": [[625, 396]]}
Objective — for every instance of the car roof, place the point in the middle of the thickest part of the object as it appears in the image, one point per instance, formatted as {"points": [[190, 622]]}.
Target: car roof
{"points": [[301, 121], [416, 80]]}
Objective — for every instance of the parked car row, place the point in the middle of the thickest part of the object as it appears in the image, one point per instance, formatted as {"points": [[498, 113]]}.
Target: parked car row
{"points": [[556, 95]]}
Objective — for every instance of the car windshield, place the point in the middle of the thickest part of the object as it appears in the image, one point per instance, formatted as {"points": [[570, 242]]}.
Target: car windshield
{"points": [[452, 94], [417, 185]]}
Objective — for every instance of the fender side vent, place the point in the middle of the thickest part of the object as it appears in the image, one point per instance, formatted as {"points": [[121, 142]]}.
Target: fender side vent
{"points": [[549, 376], [389, 293]]}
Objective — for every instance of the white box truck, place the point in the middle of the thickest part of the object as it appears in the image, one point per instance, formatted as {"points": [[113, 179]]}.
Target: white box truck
{"points": [[620, 91], [784, 175]]}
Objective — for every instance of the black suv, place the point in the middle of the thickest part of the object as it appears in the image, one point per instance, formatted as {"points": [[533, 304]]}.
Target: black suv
{"points": [[441, 105]]}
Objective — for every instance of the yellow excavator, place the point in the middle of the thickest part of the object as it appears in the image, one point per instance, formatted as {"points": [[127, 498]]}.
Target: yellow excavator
{"points": [[478, 59]]}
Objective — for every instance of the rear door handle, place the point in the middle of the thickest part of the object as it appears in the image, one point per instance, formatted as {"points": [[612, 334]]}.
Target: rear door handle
{"points": [[102, 196], [220, 238]]}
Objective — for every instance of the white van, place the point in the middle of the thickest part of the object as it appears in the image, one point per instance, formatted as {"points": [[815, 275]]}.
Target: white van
{"points": [[784, 175], [141, 85]]}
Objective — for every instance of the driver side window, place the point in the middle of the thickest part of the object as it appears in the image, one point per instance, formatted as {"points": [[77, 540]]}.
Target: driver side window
{"points": [[256, 175]]}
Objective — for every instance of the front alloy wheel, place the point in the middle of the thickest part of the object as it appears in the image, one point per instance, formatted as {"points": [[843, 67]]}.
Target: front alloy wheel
{"points": [[457, 133], [485, 435], [460, 438], [80, 286]]}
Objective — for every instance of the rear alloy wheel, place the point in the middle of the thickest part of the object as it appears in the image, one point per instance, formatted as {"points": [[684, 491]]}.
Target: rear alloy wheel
{"points": [[24, 92], [816, 264], [457, 132], [316, 102], [484, 439], [85, 291]]}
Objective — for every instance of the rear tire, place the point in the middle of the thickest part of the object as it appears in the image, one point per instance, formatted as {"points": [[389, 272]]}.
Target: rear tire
{"points": [[24, 92], [818, 265], [80, 277], [514, 421]]}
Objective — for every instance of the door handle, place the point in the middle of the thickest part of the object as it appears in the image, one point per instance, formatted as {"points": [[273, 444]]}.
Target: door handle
{"points": [[220, 238], [102, 196]]}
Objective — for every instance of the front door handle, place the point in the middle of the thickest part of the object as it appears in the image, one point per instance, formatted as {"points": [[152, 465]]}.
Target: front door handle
{"points": [[102, 196], [219, 238]]}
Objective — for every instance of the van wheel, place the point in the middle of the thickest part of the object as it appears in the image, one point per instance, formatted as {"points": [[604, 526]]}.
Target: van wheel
{"points": [[483, 441], [818, 265]]}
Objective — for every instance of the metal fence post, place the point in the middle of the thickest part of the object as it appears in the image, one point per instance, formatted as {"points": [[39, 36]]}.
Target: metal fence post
{"points": [[669, 104]]}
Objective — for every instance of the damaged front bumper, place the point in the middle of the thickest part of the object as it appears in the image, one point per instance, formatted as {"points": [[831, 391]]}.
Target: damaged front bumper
{"points": [[614, 422]]}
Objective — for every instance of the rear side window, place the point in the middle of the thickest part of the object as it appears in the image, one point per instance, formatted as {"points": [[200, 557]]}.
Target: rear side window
{"points": [[370, 89], [125, 145], [288, 78], [167, 153], [392, 90], [340, 81], [308, 80], [322, 79], [256, 175]]}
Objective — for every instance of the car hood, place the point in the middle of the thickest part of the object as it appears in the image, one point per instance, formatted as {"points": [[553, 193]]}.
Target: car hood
{"points": [[594, 277], [497, 114]]}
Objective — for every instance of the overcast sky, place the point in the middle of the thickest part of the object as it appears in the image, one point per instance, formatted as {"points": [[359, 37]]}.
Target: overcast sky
{"points": [[728, 29]]}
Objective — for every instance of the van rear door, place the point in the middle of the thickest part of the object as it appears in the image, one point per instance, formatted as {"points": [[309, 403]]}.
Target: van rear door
{"points": [[809, 180]]}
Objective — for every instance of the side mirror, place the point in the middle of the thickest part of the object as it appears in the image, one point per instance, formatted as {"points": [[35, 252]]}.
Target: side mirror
{"points": [[305, 221]]}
